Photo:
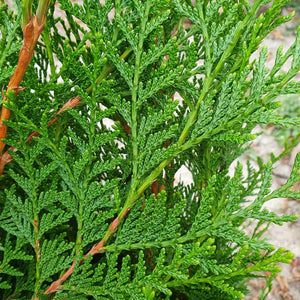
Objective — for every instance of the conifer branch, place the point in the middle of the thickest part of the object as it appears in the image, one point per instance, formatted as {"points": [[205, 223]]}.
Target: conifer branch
{"points": [[96, 249], [88, 188], [32, 28], [137, 191], [6, 157]]}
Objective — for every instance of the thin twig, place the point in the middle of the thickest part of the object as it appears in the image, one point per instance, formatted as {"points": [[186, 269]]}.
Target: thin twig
{"points": [[31, 33], [96, 249]]}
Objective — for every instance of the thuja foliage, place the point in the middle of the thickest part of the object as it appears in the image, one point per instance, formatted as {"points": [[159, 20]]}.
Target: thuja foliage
{"points": [[100, 109]]}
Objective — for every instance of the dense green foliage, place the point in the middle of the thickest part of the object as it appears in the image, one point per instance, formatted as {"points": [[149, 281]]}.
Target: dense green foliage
{"points": [[102, 162]]}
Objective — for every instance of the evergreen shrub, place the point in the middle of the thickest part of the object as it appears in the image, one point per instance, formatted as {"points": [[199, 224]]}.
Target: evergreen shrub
{"points": [[101, 108]]}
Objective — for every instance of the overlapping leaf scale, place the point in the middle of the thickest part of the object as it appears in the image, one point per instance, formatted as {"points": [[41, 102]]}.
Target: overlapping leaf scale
{"points": [[150, 160], [202, 223], [296, 54], [126, 70], [153, 143], [103, 166], [9, 42], [130, 34], [46, 199], [97, 16], [98, 210], [155, 21], [11, 253], [123, 280], [106, 280], [269, 24], [24, 208], [155, 222], [231, 15], [154, 120], [55, 257], [124, 107], [5, 74], [52, 219], [221, 44], [23, 182], [258, 87], [18, 220], [18, 226], [82, 120], [155, 53], [229, 199], [157, 83], [204, 122], [96, 225], [188, 11], [235, 137], [43, 173], [93, 14], [78, 141], [228, 289]]}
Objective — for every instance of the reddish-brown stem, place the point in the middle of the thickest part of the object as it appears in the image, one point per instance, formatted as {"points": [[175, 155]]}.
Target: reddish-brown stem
{"points": [[114, 225], [37, 241], [96, 249], [55, 286], [31, 33], [6, 158]]}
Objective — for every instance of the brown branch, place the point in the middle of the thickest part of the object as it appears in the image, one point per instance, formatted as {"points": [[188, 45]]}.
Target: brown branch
{"points": [[96, 249], [55, 286], [31, 33]]}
